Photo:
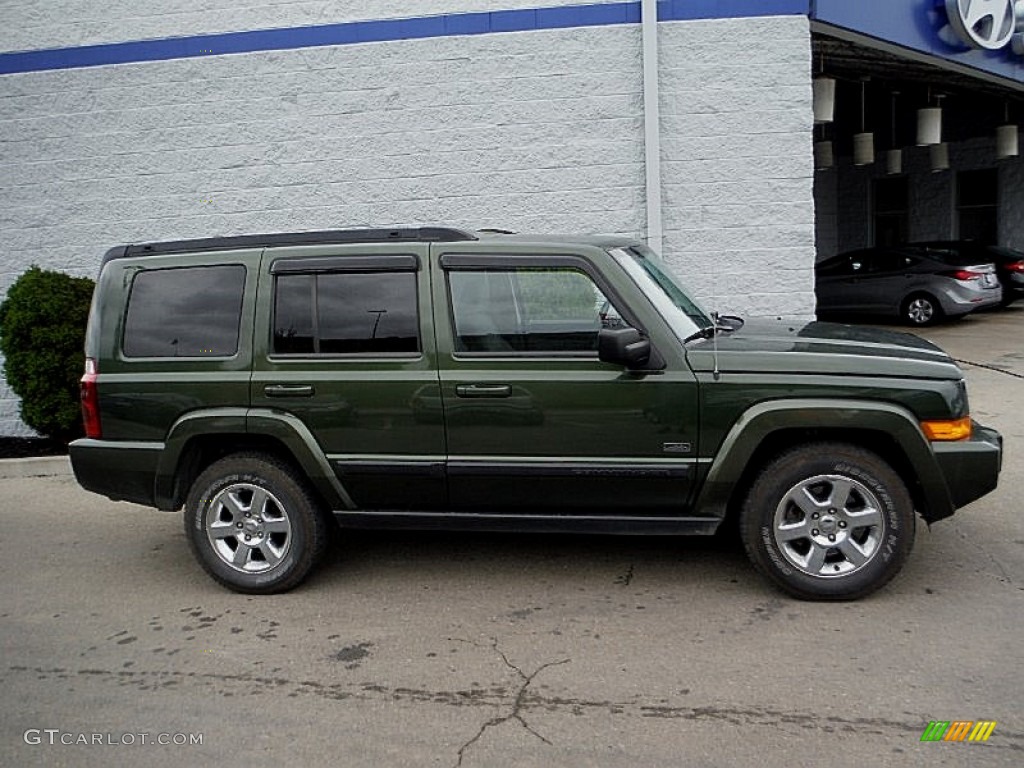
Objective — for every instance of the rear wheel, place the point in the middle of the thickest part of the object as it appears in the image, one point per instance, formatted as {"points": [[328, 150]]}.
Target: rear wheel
{"points": [[921, 309], [253, 525], [828, 521]]}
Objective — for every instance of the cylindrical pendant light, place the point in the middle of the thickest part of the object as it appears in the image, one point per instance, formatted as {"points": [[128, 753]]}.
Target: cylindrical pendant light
{"points": [[863, 142], [824, 158], [1007, 142], [863, 148], [929, 126], [894, 157], [824, 99], [894, 162], [929, 122], [939, 156], [1007, 138]]}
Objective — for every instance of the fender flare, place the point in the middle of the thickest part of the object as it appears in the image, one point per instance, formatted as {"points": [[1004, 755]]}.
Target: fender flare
{"points": [[284, 427], [760, 421]]}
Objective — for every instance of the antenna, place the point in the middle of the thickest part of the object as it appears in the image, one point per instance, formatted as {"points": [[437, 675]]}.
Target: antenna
{"points": [[714, 344]]}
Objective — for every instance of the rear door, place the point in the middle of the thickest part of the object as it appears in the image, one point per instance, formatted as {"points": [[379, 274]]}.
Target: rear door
{"points": [[345, 343], [537, 425]]}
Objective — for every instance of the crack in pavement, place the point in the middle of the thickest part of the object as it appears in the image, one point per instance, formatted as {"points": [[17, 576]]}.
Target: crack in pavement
{"points": [[231, 685], [970, 541], [517, 705]]}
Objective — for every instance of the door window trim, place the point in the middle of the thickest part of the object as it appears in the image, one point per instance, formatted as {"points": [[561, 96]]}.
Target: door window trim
{"points": [[389, 264], [482, 262]]}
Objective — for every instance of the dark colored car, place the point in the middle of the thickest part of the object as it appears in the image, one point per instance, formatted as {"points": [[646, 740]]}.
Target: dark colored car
{"points": [[1009, 263], [916, 283], [274, 386]]}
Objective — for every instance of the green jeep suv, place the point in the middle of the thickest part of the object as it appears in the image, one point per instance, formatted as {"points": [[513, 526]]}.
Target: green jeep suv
{"points": [[277, 385]]}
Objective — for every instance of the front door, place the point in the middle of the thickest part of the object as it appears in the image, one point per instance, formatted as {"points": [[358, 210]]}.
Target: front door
{"points": [[536, 424]]}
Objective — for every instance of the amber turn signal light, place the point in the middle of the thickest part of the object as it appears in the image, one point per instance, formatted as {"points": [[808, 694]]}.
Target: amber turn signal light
{"points": [[955, 429]]}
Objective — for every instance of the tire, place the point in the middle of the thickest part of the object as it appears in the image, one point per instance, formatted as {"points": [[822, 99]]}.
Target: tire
{"points": [[790, 514], [921, 309], [254, 495]]}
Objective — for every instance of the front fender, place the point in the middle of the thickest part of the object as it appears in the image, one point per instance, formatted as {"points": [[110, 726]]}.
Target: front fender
{"points": [[761, 421]]}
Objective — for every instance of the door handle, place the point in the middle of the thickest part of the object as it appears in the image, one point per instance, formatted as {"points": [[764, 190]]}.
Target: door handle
{"points": [[289, 390], [483, 390]]}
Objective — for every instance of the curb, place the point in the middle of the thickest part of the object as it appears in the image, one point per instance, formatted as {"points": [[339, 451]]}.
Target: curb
{"points": [[41, 466]]}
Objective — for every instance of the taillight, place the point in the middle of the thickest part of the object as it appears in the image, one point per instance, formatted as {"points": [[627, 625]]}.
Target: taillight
{"points": [[1016, 266], [964, 274], [91, 400]]}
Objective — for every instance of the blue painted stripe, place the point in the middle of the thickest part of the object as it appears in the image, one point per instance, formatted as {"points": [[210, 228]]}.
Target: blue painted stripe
{"points": [[387, 30]]}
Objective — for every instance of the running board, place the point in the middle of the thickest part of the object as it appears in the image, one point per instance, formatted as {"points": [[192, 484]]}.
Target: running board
{"points": [[470, 521]]}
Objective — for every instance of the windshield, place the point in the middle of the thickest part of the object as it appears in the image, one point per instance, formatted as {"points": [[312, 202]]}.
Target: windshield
{"points": [[655, 278]]}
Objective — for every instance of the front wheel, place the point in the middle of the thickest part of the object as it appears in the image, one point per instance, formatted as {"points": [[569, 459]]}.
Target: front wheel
{"points": [[253, 525], [828, 521]]}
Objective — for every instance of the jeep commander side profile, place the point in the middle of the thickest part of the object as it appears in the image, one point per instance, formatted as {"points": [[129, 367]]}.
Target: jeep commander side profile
{"points": [[275, 385]]}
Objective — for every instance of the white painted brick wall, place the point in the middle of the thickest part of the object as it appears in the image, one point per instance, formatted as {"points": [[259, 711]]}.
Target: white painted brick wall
{"points": [[31, 24], [534, 131], [738, 171]]}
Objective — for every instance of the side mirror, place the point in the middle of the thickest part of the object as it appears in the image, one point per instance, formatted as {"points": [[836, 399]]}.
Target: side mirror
{"points": [[623, 346]]}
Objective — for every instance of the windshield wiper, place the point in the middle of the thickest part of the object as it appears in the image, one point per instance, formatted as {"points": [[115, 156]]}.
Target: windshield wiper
{"points": [[704, 333], [719, 323]]}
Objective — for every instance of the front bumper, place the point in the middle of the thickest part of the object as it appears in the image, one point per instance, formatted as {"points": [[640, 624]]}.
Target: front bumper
{"points": [[971, 467]]}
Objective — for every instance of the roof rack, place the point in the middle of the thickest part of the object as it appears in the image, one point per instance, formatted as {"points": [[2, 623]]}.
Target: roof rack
{"points": [[323, 237]]}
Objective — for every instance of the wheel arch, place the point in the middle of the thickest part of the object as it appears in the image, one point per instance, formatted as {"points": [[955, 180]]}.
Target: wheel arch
{"points": [[200, 438], [768, 429]]}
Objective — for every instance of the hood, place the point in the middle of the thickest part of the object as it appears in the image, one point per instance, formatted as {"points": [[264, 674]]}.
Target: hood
{"points": [[780, 346]]}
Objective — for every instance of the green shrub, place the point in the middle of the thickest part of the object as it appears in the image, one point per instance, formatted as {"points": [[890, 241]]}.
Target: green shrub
{"points": [[42, 335]]}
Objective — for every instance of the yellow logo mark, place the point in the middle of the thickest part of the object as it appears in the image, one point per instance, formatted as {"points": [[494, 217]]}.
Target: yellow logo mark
{"points": [[958, 730], [982, 730]]}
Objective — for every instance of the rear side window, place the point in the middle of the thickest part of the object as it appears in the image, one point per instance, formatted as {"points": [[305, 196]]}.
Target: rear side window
{"points": [[346, 313], [186, 312]]}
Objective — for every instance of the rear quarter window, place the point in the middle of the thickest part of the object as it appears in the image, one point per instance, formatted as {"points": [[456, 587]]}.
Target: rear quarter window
{"points": [[185, 312]]}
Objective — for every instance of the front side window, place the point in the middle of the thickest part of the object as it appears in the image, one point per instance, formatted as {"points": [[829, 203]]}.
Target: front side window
{"points": [[185, 312], [538, 310], [346, 313]]}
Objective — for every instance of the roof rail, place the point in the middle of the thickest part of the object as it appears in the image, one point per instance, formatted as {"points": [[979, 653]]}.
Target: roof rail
{"points": [[323, 237]]}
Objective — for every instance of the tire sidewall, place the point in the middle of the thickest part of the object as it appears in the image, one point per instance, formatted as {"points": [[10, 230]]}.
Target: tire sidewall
{"points": [[782, 476], [295, 561]]}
